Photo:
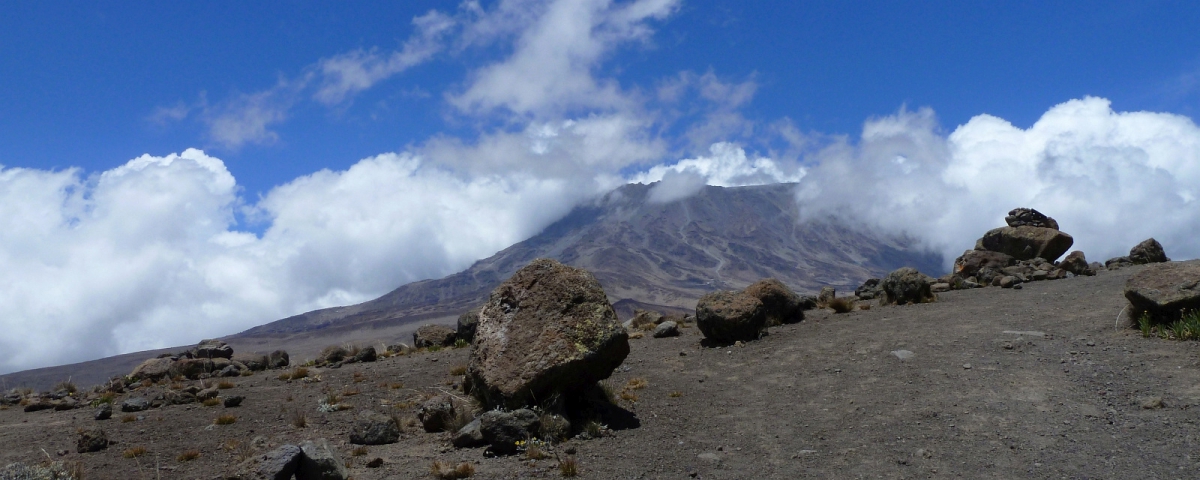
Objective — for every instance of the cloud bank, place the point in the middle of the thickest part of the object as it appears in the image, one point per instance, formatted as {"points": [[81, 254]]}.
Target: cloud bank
{"points": [[1111, 179]]}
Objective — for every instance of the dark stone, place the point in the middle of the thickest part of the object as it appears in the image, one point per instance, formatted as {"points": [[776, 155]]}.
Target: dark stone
{"points": [[278, 359], [982, 264], [372, 428], [1026, 243], [332, 354], [431, 335], [212, 349], [906, 285], [319, 462], [135, 404], [869, 290], [438, 413], [1076, 263], [1117, 263], [255, 362], [1149, 251], [730, 316], [91, 440], [366, 354], [103, 412], [780, 304], [466, 325], [278, 464], [547, 330], [1022, 217], [469, 436], [502, 430], [232, 401]]}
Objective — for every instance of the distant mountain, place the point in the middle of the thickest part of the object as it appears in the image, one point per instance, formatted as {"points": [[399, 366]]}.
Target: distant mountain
{"points": [[646, 255]]}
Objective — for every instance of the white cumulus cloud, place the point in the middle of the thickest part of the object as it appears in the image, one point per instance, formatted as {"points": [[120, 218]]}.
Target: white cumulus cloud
{"points": [[1110, 178]]}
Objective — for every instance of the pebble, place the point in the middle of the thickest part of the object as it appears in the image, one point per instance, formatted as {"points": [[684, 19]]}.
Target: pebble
{"points": [[966, 366]]}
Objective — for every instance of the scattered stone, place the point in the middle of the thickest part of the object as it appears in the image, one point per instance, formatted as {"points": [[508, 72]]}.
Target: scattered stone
{"points": [[135, 404], [666, 329], [1021, 217], [319, 462], [982, 265], [906, 285], [826, 295], [398, 347], [1026, 243], [1152, 403], [1076, 263], [869, 290], [232, 401], [469, 436], [366, 354], [439, 412], [278, 464], [430, 335], [502, 430], [1008, 281], [642, 318], [253, 361], [103, 412], [902, 354], [1165, 290], [730, 316], [376, 463], [332, 354], [780, 304], [939, 287], [372, 428], [229, 371], [210, 392], [547, 330], [91, 440], [466, 325], [191, 368], [278, 359], [1149, 251], [1117, 263]]}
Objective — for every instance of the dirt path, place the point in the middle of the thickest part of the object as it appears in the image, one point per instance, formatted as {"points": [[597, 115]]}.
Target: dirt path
{"points": [[1031, 383]]}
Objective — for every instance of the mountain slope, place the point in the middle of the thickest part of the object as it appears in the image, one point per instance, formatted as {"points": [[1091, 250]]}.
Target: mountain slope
{"points": [[652, 254]]}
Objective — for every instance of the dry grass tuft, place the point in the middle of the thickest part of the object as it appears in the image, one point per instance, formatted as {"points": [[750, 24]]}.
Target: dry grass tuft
{"points": [[359, 377], [134, 452], [298, 419], [675, 394], [296, 374], [350, 391], [533, 451], [636, 335], [568, 467], [188, 455], [211, 402], [841, 305], [225, 420], [460, 369], [67, 385], [637, 383], [448, 471], [129, 418], [225, 385], [360, 451]]}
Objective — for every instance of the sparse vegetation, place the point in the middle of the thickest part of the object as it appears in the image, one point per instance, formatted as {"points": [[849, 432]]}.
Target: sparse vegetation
{"points": [[359, 377], [637, 383], [553, 427], [636, 335], [296, 374], [225, 385], [460, 343], [188, 455], [434, 348], [225, 420], [298, 419], [460, 369], [569, 466], [675, 394], [360, 451], [841, 305], [211, 402], [129, 418], [350, 391], [66, 385], [448, 471], [134, 452], [1186, 328], [241, 450], [106, 397]]}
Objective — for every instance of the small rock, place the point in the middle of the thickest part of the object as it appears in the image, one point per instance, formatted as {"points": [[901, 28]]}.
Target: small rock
{"points": [[1152, 403], [135, 404], [376, 463], [966, 366], [319, 462], [902, 354], [372, 428], [91, 440], [666, 329], [233, 401], [469, 436], [104, 412]]}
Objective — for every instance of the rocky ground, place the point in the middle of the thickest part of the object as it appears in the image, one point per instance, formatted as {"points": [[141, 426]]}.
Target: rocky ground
{"points": [[990, 382]]}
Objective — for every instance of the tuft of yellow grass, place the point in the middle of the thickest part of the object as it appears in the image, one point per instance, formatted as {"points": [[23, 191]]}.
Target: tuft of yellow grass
{"points": [[449, 471], [225, 420], [188, 455], [134, 452]]}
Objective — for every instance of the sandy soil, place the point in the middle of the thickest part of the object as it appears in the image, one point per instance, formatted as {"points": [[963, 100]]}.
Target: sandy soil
{"points": [[1031, 383]]}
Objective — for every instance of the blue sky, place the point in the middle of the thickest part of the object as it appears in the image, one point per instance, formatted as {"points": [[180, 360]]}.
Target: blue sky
{"points": [[191, 169]]}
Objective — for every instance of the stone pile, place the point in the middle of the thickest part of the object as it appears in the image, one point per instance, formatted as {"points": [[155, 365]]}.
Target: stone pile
{"points": [[742, 315], [210, 358]]}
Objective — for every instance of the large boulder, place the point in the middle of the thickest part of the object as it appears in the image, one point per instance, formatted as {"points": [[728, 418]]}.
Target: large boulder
{"points": [[466, 325], [253, 361], [278, 359], [191, 368], [212, 349], [153, 369], [1076, 263], [1165, 290], [731, 316], [372, 428], [439, 413], [278, 464], [433, 335], [1026, 243], [869, 289], [780, 304], [982, 264], [319, 462], [548, 329], [332, 354], [906, 285], [1028, 217], [1149, 251]]}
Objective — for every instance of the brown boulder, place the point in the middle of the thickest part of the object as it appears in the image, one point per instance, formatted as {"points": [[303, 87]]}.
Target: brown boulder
{"points": [[731, 316], [466, 325], [433, 335], [1149, 251], [1026, 243], [1076, 263], [548, 329], [1165, 291], [906, 285], [780, 304], [253, 361], [154, 369], [191, 368], [982, 264]]}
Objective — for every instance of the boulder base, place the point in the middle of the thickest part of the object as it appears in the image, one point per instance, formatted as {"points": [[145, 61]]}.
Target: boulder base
{"points": [[1165, 290], [1026, 243]]}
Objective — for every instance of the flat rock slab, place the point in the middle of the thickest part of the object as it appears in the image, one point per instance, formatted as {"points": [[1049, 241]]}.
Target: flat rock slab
{"points": [[1165, 290]]}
